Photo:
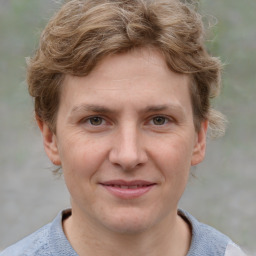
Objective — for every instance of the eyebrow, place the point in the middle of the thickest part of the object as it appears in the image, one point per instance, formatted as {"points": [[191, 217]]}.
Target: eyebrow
{"points": [[105, 110], [155, 108], [91, 108], [174, 108]]}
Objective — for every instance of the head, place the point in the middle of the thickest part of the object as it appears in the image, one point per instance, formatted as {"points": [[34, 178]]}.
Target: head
{"points": [[84, 32], [122, 96]]}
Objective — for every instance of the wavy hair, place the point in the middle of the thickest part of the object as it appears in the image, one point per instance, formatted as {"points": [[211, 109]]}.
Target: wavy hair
{"points": [[83, 32]]}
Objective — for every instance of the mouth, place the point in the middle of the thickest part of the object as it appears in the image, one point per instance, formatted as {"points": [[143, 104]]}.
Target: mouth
{"points": [[128, 189]]}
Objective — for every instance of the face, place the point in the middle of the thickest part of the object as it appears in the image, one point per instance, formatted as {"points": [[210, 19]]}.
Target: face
{"points": [[126, 140]]}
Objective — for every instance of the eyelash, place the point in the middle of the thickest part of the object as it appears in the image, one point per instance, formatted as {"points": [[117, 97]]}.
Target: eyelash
{"points": [[89, 120], [164, 118], [103, 121]]}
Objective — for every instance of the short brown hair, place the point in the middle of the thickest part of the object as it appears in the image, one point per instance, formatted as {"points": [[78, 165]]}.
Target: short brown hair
{"points": [[83, 32]]}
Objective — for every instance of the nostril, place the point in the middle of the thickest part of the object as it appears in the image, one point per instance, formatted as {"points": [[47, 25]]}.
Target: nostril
{"points": [[127, 162], [127, 152]]}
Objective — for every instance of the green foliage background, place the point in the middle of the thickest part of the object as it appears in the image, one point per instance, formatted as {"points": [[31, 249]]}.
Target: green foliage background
{"points": [[223, 194]]}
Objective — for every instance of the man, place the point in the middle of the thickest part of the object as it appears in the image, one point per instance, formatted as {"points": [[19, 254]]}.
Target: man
{"points": [[122, 97]]}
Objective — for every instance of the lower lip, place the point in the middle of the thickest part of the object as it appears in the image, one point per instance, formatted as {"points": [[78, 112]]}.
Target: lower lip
{"points": [[126, 193]]}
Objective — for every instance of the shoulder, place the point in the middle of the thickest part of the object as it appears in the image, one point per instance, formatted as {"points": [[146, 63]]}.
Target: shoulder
{"points": [[207, 240], [33, 244], [234, 250], [49, 240]]}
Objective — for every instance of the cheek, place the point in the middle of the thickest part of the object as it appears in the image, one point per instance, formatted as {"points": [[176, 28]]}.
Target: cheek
{"points": [[82, 158], [80, 167], [173, 159], [174, 154]]}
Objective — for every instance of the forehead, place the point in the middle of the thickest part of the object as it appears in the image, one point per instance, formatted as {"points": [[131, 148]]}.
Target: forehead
{"points": [[139, 77], [134, 64]]}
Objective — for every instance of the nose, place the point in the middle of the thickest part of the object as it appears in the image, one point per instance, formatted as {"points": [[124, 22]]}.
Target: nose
{"points": [[128, 151]]}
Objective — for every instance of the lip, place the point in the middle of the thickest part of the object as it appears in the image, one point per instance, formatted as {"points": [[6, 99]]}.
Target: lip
{"points": [[128, 189]]}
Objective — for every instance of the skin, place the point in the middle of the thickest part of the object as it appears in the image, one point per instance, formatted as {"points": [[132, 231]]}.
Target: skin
{"points": [[129, 119]]}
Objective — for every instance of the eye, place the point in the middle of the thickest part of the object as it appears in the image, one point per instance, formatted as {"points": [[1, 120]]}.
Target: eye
{"points": [[159, 120], [95, 123], [95, 120]]}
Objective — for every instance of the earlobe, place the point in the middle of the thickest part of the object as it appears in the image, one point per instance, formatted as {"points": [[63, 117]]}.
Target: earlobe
{"points": [[50, 142], [200, 144]]}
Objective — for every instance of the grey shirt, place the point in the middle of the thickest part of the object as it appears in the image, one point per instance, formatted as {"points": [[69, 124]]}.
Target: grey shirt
{"points": [[50, 240]]}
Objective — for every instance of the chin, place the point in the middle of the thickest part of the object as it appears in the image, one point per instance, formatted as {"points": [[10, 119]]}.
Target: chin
{"points": [[129, 221]]}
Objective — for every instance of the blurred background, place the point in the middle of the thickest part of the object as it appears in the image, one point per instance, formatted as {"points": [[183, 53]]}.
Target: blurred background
{"points": [[224, 190]]}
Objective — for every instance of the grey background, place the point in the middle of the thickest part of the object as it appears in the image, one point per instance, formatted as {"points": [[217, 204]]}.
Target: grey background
{"points": [[223, 192]]}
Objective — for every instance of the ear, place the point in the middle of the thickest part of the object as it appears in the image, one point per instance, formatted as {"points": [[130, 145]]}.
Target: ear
{"points": [[50, 142], [200, 144]]}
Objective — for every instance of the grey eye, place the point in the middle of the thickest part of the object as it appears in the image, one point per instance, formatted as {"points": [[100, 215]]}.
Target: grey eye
{"points": [[159, 120], [96, 120]]}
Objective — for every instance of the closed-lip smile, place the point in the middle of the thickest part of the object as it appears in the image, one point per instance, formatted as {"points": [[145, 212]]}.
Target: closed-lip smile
{"points": [[128, 189]]}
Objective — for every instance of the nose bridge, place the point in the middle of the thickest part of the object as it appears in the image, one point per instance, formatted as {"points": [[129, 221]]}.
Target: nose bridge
{"points": [[128, 151]]}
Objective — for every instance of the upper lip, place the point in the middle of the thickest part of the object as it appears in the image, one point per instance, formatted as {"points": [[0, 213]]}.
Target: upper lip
{"points": [[127, 183]]}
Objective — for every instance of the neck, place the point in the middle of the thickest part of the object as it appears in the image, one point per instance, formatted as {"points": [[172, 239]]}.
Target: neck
{"points": [[170, 237]]}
